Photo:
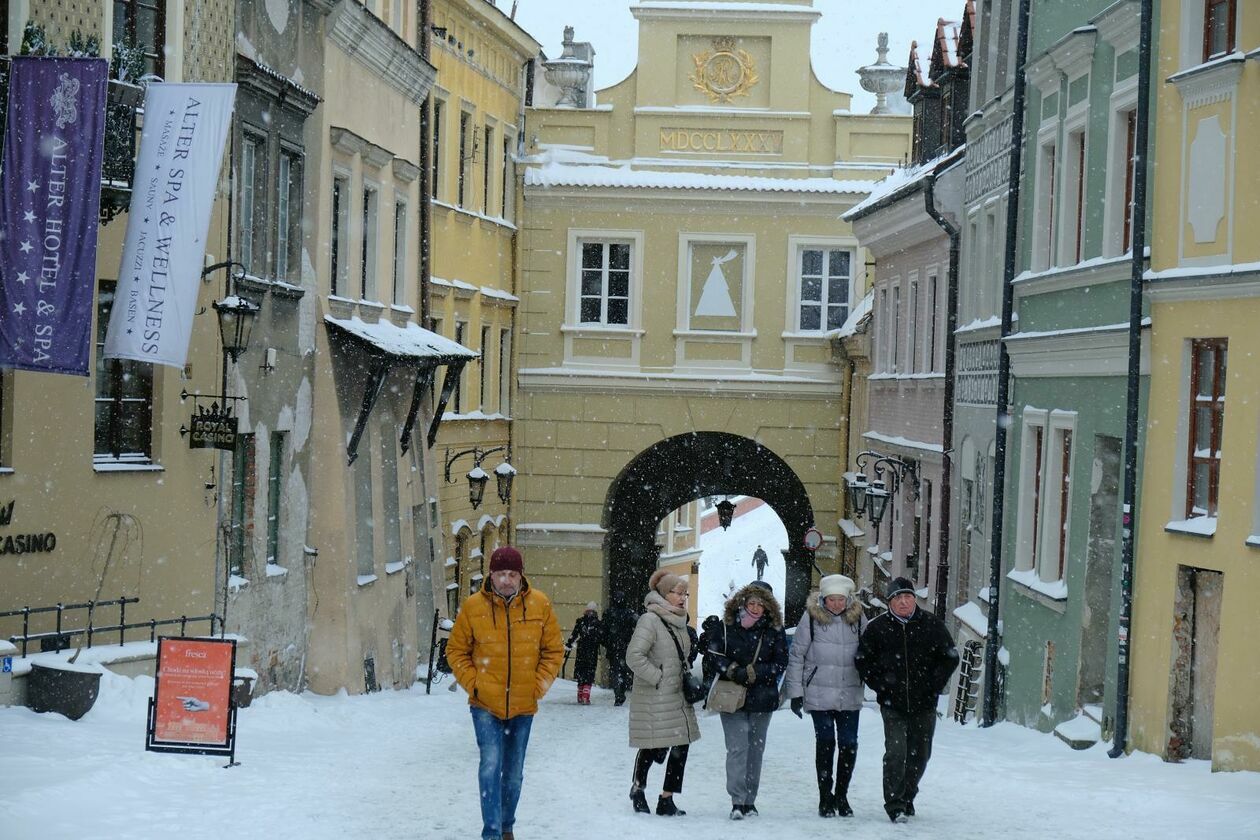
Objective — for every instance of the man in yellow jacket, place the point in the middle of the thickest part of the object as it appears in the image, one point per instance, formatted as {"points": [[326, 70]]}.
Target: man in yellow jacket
{"points": [[505, 650]]}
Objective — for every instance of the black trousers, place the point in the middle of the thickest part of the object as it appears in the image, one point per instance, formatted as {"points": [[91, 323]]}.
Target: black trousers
{"points": [[673, 770], [619, 674], [907, 748]]}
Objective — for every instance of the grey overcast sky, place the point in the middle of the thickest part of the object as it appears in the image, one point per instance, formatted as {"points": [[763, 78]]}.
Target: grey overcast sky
{"points": [[843, 39]]}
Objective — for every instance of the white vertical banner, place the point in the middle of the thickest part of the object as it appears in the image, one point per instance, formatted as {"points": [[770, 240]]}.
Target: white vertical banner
{"points": [[177, 173]]}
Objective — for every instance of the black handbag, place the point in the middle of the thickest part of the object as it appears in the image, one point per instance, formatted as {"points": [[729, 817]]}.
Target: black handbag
{"points": [[692, 688]]}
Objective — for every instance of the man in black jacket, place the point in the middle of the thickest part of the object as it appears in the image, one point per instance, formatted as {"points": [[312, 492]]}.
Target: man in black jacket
{"points": [[619, 621], [906, 656]]}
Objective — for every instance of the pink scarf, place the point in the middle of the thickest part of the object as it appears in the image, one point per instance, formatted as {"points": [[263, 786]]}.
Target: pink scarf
{"points": [[746, 619]]}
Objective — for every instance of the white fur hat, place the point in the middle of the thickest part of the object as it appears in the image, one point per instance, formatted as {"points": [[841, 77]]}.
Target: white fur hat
{"points": [[836, 585], [591, 606]]}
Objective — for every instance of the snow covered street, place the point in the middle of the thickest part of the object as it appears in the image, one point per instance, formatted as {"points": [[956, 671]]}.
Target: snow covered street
{"points": [[317, 767]]}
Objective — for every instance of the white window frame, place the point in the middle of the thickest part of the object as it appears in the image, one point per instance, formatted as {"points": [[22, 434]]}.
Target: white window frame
{"points": [[339, 273], [370, 243], [573, 329], [1047, 197], [606, 298], [1028, 499], [914, 300], [797, 245], [398, 274], [508, 176], [1069, 168], [687, 281], [1060, 423], [438, 134], [505, 371]]}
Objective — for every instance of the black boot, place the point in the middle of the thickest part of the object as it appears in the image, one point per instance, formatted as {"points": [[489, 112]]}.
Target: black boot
{"points": [[822, 766], [845, 760], [640, 801], [665, 807]]}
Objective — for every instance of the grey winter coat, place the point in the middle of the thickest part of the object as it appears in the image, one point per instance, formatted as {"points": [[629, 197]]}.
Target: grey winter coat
{"points": [[659, 717], [821, 667]]}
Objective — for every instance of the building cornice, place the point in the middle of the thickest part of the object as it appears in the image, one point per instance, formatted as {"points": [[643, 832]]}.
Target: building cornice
{"points": [[1066, 354], [753, 12], [1119, 25], [576, 379], [366, 39], [1209, 83]]}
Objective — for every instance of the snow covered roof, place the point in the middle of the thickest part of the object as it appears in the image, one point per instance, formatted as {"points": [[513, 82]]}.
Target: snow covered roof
{"points": [[899, 182], [555, 174], [947, 41], [410, 342], [919, 68]]}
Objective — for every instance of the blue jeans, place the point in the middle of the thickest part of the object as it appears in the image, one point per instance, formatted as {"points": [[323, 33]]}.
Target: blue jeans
{"points": [[502, 744], [832, 727]]}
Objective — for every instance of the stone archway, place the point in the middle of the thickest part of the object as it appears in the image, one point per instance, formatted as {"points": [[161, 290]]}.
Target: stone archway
{"points": [[680, 469]]}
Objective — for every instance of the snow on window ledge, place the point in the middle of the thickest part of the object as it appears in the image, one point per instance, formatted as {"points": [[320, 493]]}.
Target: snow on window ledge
{"points": [[275, 570], [1056, 590], [126, 466], [236, 583], [1253, 540], [364, 580], [1197, 526], [395, 568]]}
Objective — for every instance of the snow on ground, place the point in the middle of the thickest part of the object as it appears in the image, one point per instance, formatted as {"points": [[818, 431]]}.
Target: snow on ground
{"points": [[726, 560], [402, 764]]}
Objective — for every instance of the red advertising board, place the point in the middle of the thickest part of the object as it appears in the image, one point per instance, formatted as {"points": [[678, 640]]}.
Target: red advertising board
{"points": [[192, 698]]}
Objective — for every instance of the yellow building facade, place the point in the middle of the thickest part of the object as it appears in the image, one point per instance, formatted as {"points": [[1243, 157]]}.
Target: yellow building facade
{"points": [[1195, 671], [97, 467], [683, 269], [475, 125]]}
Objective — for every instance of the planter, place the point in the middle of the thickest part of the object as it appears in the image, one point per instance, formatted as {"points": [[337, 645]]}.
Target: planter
{"points": [[67, 692]]}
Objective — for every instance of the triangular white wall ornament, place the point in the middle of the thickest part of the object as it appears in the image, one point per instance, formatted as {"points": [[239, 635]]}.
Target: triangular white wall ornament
{"points": [[715, 297]]}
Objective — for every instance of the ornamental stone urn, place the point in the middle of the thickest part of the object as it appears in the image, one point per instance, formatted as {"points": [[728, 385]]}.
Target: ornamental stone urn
{"points": [[881, 78], [569, 73]]}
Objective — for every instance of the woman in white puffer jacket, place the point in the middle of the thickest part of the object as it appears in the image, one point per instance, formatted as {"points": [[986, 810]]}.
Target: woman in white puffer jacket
{"points": [[822, 680]]}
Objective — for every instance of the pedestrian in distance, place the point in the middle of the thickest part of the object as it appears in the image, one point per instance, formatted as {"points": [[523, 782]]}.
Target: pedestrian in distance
{"points": [[662, 723], [906, 656], [822, 679], [760, 561], [586, 636], [750, 649], [619, 624], [505, 651]]}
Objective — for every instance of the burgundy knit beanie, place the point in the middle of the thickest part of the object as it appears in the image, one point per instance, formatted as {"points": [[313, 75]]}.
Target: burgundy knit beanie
{"points": [[506, 559]]}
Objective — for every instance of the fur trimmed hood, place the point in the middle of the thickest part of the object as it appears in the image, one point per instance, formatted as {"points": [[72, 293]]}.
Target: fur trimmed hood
{"points": [[775, 612], [852, 612]]}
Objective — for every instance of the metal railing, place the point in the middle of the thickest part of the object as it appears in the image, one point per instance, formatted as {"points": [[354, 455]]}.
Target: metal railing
{"points": [[61, 636]]}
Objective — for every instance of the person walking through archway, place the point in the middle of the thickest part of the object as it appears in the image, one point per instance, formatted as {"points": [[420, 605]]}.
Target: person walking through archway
{"points": [[760, 561], [619, 624], [906, 656], [661, 720], [823, 680], [586, 634], [749, 650]]}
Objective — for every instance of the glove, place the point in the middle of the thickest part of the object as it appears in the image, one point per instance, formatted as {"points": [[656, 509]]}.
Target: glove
{"points": [[798, 703], [732, 672]]}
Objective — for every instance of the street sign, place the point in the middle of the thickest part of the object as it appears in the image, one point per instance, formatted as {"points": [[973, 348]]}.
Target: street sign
{"points": [[212, 429], [6, 665], [813, 539]]}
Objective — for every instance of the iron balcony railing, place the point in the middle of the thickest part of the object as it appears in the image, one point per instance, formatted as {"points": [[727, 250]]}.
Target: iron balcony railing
{"points": [[59, 637]]}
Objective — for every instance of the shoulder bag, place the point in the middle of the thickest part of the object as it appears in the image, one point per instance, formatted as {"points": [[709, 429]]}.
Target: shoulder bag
{"points": [[692, 688], [726, 696]]}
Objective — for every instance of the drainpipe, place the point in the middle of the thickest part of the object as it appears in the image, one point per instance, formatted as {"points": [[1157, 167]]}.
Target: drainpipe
{"points": [[1129, 523], [426, 172], [992, 641], [947, 419]]}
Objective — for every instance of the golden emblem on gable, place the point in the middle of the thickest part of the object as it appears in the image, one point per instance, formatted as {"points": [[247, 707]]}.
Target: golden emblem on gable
{"points": [[724, 72]]}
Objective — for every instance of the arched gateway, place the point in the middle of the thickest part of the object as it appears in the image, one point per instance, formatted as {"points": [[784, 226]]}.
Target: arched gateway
{"points": [[685, 467]]}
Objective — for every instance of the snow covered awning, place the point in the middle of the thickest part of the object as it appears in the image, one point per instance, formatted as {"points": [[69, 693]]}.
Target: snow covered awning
{"points": [[411, 342], [390, 344]]}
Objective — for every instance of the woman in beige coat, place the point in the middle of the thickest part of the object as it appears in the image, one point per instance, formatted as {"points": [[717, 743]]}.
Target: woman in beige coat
{"points": [[661, 721]]}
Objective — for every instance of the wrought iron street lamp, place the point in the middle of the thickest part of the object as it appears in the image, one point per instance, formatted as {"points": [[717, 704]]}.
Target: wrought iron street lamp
{"points": [[856, 488], [726, 512], [236, 324], [479, 478], [871, 497]]}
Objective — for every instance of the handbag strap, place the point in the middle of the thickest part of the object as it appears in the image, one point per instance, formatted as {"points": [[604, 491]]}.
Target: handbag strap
{"points": [[682, 660]]}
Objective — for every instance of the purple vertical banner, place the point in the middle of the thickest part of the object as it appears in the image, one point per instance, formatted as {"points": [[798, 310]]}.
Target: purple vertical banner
{"points": [[50, 196]]}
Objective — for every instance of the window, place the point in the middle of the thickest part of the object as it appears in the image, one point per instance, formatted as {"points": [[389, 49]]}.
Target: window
{"points": [[1130, 168], [436, 180], [923, 551], [142, 23], [826, 276], [1048, 205], [464, 154], [1045, 500], [604, 296], [487, 167], [1207, 420], [289, 218], [1075, 189], [457, 398], [367, 264], [884, 321], [391, 519], [400, 252], [124, 397], [933, 322], [912, 334], [1032, 459], [252, 201], [338, 273], [1063, 482], [505, 372], [508, 180], [241, 529], [484, 364], [365, 521], [1219, 18], [895, 333], [275, 484]]}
